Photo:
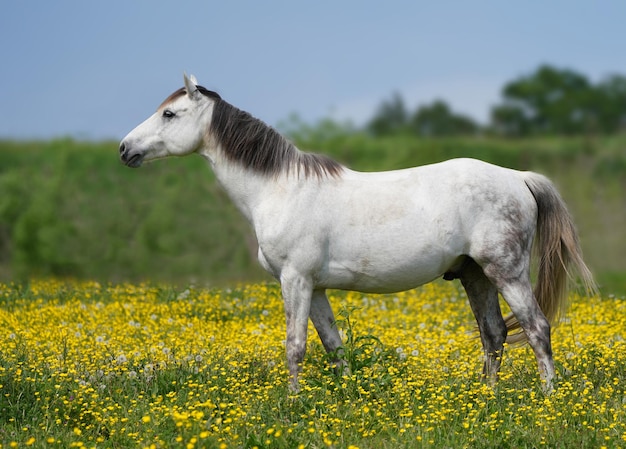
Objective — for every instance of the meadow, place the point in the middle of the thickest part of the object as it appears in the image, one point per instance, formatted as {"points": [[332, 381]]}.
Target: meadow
{"points": [[111, 360], [89, 364]]}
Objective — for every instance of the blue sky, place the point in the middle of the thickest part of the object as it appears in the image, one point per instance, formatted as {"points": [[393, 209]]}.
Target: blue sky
{"points": [[94, 70]]}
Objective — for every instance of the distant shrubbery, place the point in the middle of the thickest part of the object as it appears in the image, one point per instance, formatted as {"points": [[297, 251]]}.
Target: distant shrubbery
{"points": [[70, 208]]}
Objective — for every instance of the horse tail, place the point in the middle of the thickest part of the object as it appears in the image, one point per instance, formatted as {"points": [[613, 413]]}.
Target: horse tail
{"points": [[557, 249]]}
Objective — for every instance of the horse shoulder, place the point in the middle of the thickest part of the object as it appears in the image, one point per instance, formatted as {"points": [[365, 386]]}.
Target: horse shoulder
{"points": [[290, 228]]}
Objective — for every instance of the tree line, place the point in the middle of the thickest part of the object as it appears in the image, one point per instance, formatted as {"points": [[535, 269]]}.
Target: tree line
{"points": [[548, 101]]}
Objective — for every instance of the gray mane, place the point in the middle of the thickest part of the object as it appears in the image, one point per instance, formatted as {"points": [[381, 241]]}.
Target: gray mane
{"points": [[260, 148]]}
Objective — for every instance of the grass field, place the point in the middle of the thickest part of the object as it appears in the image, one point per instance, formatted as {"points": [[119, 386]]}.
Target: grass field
{"points": [[84, 364]]}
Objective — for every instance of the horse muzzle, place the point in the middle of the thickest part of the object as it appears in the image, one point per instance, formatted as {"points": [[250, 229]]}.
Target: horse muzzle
{"points": [[129, 157]]}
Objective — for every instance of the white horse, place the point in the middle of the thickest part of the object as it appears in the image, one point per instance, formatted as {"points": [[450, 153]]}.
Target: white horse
{"points": [[320, 225]]}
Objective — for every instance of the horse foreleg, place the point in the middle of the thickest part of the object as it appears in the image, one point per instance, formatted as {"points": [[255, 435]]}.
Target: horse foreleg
{"points": [[297, 292], [483, 299], [324, 321]]}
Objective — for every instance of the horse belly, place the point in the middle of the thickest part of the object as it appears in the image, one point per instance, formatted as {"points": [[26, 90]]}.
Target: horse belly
{"points": [[388, 268]]}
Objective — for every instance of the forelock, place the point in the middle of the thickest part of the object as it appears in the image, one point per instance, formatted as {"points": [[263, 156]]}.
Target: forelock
{"points": [[182, 92]]}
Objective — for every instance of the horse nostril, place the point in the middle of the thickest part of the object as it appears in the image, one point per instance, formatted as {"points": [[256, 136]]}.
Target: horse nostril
{"points": [[122, 148]]}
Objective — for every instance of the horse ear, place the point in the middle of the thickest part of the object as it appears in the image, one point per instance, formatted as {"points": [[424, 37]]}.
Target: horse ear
{"points": [[190, 84]]}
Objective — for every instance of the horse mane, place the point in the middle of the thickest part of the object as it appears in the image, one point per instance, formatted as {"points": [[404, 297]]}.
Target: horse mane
{"points": [[259, 147]]}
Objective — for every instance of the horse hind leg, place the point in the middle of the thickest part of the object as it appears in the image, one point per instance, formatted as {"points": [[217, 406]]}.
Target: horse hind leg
{"points": [[325, 324], [513, 282], [483, 299], [519, 296]]}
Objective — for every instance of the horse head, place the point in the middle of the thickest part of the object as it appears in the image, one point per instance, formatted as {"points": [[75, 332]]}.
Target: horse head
{"points": [[177, 128]]}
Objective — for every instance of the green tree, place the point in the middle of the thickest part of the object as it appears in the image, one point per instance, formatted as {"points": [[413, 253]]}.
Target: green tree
{"points": [[391, 117], [510, 120], [437, 119], [609, 104], [549, 101]]}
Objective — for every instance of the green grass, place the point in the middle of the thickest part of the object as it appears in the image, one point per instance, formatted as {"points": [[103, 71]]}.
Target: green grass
{"points": [[85, 364]]}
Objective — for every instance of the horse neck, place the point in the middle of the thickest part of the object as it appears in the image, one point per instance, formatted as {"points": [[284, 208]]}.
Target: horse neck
{"points": [[245, 188]]}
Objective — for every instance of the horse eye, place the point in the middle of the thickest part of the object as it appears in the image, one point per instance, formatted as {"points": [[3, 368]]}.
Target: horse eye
{"points": [[168, 114]]}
